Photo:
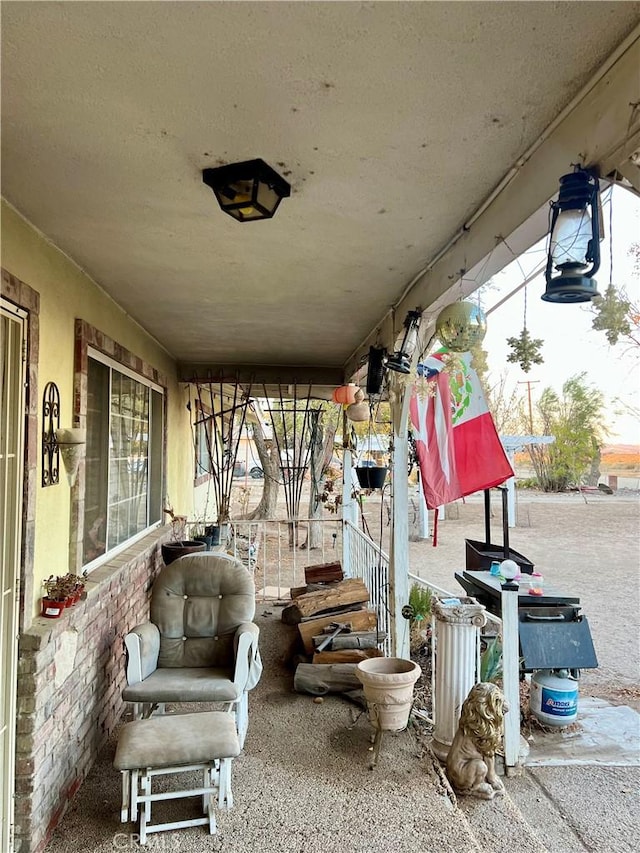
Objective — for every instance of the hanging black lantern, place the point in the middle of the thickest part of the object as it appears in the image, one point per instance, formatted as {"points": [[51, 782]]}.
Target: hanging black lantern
{"points": [[574, 246], [400, 361], [247, 191]]}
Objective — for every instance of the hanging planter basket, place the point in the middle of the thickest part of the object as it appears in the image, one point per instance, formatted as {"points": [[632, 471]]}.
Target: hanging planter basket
{"points": [[371, 476]]}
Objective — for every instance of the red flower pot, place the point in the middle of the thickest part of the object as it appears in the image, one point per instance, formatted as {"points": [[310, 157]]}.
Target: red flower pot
{"points": [[52, 609]]}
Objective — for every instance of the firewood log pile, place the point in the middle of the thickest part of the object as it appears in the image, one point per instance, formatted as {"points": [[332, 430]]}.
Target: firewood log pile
{"points": [[335, 630]]}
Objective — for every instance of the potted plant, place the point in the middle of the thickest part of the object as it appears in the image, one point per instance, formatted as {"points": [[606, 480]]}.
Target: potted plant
{"points": [[54, 602], [419, 611], [371, 472], [179, 545], [201, 532], [74, 586]]}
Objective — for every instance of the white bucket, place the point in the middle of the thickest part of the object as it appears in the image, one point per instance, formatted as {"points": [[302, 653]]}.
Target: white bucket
{"points": [[388, 688], [553, 698]]}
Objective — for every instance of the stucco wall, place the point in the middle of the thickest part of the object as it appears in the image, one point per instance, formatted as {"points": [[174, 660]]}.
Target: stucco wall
{"points": [[66, 293]]}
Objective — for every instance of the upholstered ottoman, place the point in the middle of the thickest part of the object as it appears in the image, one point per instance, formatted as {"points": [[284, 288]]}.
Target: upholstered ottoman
{"points": [[176, 744]]}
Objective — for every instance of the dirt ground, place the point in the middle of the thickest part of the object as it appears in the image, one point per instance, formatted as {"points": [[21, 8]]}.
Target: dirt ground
{"points": [[583, 545]]}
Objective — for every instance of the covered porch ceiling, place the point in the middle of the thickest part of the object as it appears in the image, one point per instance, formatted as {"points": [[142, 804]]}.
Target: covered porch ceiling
{"points": [[393, 122]]}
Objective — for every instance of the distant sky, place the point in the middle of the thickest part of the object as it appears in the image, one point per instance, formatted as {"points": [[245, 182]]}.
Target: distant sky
{"points": [[570, 344]]}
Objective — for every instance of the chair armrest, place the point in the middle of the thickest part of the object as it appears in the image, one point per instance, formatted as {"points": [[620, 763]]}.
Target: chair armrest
{"points": [[248, 662], [143, 647]]}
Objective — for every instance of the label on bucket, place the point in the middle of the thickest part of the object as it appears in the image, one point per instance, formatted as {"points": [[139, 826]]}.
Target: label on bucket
{"points": [[559, 703]]}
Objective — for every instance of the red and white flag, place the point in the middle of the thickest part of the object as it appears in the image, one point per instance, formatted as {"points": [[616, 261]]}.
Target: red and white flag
{"points": [[459, 451]]}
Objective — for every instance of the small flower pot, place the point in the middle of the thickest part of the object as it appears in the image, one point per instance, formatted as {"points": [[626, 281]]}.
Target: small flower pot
{"points": [[371, 477], [52, 609]]}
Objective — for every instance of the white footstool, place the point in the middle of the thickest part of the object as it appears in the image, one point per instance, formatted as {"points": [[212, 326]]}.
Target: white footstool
{"points": [[176, 744]]}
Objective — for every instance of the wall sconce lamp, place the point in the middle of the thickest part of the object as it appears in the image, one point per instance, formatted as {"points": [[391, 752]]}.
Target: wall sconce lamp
{"points": [[400, 361], [574, 246], [68, 443], [247, 191]]}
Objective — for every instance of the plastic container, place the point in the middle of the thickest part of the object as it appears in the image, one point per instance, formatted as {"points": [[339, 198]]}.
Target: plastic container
{"points": [[554, 697], [495, 568], [536, 584]]}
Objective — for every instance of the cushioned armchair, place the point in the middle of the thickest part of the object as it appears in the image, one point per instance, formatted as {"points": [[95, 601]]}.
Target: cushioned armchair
{"points": [[200, 644]]}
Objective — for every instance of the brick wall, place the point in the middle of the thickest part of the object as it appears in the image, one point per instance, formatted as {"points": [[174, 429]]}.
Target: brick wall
{"points": [[71, 674]]}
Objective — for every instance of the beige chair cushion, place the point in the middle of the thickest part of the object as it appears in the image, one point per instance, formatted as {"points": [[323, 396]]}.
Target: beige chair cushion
{"points": [[187, 684], [175, 740], [197, 603]]}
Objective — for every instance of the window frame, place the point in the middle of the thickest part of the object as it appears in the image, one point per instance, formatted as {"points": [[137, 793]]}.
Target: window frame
{"points": [[114, 364]]}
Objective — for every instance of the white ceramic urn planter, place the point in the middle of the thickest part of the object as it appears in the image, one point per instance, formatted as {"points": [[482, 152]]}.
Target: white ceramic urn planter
{"points": [[388, 684]]}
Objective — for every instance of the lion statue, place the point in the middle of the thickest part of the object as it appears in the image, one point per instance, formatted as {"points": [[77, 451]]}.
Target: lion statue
{"points": [[470, 763]]}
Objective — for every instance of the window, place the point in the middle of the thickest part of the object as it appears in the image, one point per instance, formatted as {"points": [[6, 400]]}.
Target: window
{"points": [[203, 435], [123, 469]]}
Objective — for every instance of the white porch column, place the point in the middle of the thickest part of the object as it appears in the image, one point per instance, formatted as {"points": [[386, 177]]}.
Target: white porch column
{"points": [[511, 491], [455, 665], [348, 506], [399, 557]]}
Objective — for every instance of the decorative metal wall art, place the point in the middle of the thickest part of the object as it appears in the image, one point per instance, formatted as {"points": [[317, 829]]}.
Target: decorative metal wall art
{"points": [[50, 423]]}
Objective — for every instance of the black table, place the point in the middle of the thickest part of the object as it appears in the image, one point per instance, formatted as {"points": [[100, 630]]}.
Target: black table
{"points": [[553, 634], [489, 585]]}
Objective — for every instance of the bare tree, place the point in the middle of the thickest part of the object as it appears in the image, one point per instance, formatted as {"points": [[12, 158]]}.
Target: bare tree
{"points": [[507, 408], [270, 463], [321, 454]]}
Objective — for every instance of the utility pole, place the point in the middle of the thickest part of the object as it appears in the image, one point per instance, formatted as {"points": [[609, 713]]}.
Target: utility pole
{"points": [[529, 383]]}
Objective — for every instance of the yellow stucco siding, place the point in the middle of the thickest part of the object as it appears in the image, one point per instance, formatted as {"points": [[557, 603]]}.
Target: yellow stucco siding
{"points": [[66, 293]]}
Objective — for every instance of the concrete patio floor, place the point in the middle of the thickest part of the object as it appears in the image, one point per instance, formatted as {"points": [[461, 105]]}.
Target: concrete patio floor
{"points": [[303, 783]]}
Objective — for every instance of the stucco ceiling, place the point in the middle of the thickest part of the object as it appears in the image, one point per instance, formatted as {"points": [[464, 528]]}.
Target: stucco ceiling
{"points": [[392, 121]]}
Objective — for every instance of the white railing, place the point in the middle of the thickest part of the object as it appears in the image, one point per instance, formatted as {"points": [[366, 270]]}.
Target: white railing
{"points": [[368, 561], [277, 551]]}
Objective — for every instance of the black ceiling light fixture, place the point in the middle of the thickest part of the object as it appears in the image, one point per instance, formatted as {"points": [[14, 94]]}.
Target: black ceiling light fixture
{"points": [[247, 191], [574, 245], [400, 361]]}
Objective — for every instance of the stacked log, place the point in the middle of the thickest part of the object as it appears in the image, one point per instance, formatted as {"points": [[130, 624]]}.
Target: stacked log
{"points": [[336, 630]]}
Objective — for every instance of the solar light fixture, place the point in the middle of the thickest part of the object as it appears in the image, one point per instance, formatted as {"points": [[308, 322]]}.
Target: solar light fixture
{"points": [[574, 245], [400, 361], [247, 191]]}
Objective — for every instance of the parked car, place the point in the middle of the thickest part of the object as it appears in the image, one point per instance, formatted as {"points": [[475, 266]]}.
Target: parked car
{"points": [[255, 472]]}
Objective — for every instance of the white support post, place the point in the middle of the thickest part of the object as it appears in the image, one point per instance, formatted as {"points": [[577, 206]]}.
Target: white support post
{"points": [[511, 677], [511, 492], [347, 510], [399, 557]]}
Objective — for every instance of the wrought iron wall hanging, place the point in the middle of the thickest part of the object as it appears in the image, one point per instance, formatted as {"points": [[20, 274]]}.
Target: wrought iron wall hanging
{"points": [[50, 423], [294, 422], [221, 412]]}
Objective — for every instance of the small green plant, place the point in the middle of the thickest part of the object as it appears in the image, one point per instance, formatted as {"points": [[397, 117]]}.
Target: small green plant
{"points": [[528, 483], [420, 602], [491, 661]]}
